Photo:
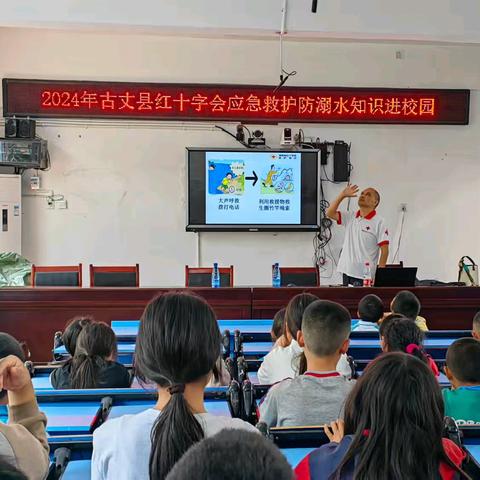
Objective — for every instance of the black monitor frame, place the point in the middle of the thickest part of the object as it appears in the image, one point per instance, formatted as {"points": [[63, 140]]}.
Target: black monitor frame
{"points": [[309, 213]]}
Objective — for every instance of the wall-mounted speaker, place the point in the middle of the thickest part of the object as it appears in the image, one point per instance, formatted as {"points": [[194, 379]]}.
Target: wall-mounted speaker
{"points": [[11, 127], [26, 128], [341, 162]]}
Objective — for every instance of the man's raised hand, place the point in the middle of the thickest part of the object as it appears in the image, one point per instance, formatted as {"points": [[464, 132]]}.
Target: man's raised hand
{"points": [[350, 191]]}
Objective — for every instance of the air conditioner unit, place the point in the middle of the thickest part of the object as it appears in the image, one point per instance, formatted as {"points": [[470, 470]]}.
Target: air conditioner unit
{"points": [[23, 153]]}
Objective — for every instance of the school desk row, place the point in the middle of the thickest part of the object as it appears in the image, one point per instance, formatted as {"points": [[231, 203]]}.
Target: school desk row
{"points": [[251, 339], [71, 455]]}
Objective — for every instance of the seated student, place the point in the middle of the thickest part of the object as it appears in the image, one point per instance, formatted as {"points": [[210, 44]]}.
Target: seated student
{"points": [[220, 376], [23, 441], [288, 362], [69, 340], [177, 346], [234, 456], [462, 368], [370, 312], [401, 334], [476, 326], [393, 429], [406, 303], [283, 361], [317, 396], [278, 327], [93, 364]]}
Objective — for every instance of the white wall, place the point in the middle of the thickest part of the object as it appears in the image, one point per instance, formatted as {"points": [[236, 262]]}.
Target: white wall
{"points": [[125, 184], [431, 20]]}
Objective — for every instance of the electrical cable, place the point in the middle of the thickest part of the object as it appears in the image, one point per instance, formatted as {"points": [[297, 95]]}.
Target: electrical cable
{"points": [[284, 74], [400, 235], [321, 242], [247, 129], [232, 135]]}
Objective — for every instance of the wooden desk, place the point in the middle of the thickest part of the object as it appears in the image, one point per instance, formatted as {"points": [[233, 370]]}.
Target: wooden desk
{"points": [[445, 308], [33, 315]]}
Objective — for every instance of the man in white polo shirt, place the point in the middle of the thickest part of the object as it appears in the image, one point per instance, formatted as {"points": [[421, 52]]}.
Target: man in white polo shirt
{"points": [[366, 235]]}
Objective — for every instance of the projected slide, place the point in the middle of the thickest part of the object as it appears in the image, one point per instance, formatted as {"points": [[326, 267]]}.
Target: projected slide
{"points": [[253, 187]]}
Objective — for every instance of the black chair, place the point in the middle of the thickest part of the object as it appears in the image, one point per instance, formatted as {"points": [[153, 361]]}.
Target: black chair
{"points": [[202, 276], [299, 276], [57, 276], [127, 276]]}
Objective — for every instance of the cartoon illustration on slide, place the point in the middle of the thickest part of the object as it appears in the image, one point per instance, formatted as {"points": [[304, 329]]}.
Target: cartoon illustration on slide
{"points": [[226, 177], [278, 180], [268, 182]]}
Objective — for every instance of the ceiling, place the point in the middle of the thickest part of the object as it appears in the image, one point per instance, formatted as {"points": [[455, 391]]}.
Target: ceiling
{"points": [[430, 21]]}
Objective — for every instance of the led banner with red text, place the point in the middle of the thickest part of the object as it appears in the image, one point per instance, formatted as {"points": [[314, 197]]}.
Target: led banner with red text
{"points": [[157, 101]]}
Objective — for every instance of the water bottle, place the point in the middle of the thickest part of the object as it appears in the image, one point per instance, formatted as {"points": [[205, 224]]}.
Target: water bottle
{"points": [[276, 280], [215, 276], [367, 275]]}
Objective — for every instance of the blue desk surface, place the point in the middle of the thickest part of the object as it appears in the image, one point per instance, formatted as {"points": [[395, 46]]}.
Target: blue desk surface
{"points": [[129, 328], [67, 418], [122, 348], [42, 383], [77, 470], [262, 348], [296, 455], [428, 343], [474, 450]]}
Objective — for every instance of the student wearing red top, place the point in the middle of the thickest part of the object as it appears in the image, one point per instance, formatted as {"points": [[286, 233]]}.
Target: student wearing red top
{"points": [[392, 429]]}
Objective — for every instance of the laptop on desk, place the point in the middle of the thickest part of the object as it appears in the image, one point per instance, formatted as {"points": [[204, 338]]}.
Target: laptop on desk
{"points": [[395, 277]]}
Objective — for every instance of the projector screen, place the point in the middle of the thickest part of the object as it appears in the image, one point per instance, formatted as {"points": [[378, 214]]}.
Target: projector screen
{"points": [[252, 190]]}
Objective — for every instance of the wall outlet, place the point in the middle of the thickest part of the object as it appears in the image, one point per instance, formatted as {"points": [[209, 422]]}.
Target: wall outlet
{"points": [[403, 207], [35, 182], [62, 204]]}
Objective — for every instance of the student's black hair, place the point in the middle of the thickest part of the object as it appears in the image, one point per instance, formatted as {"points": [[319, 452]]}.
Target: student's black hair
{"points": [[233, 455], [9, 472], [294, 311], [406, 303], [325, 326], [10, 346], [395, 413], [72, 330], [178, 343], [401, 334], [293, 321], [476, 322], [96, 342], [463, 360], [278, 327], [370, 308], [387, 320]]}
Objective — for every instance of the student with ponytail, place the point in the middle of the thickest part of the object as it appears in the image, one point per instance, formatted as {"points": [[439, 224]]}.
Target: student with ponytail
{"points": [[401, 334], [93, 365], [392, 429], [60, 377], [178, 344]]}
